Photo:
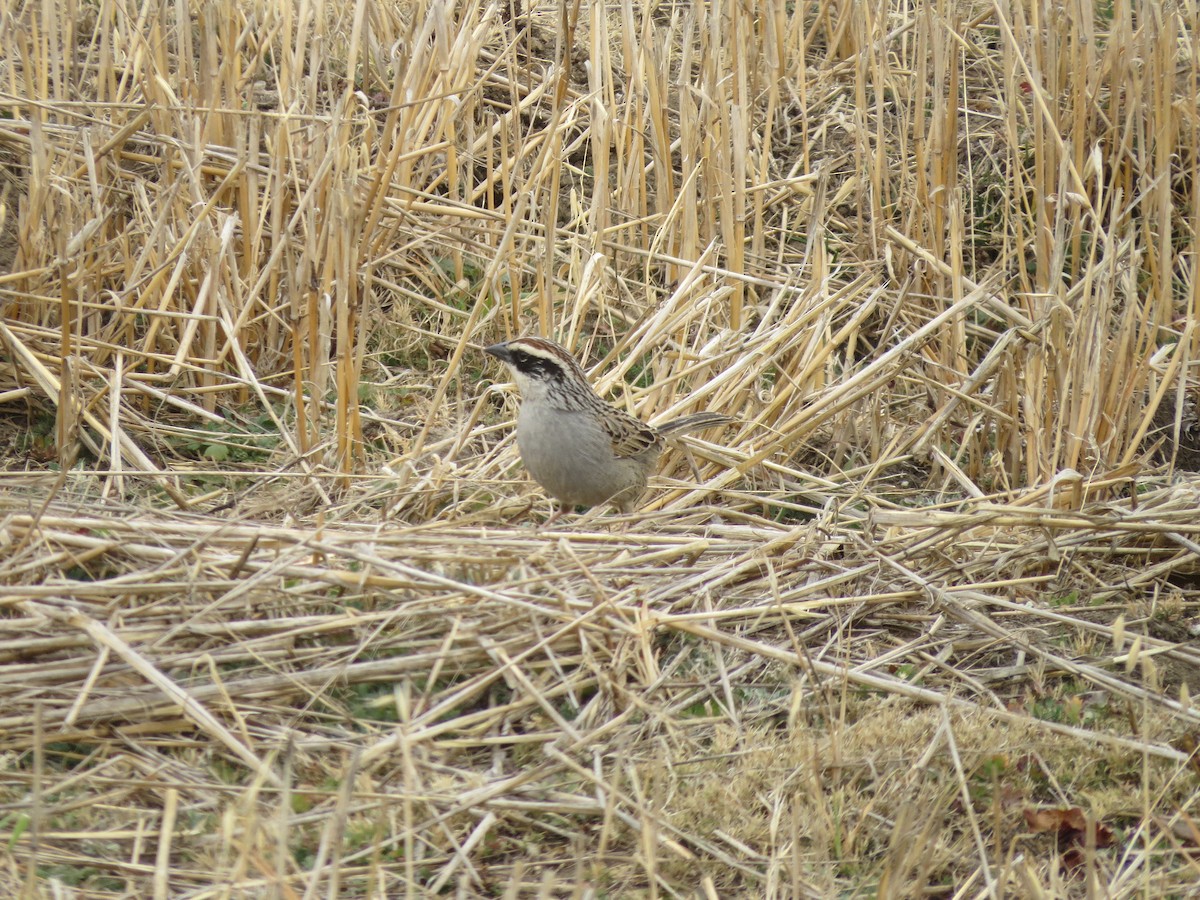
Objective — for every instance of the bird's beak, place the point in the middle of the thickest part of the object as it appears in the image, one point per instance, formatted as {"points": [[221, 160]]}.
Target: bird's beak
{"points": [[500, 351]]}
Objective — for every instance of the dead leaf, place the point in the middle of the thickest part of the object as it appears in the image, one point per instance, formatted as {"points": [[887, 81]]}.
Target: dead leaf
{"points": [[1071, 826], [1052, 819]]}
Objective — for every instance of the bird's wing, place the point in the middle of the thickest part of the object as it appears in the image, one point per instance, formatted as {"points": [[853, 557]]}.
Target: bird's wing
{"points": [[629, 435]]}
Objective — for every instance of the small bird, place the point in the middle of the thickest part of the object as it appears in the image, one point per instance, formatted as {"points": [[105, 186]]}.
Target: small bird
{"points": [[582, 450]]}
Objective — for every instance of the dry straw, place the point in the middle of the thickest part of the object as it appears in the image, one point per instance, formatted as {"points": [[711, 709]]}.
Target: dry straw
{"points": [[278, 616]]}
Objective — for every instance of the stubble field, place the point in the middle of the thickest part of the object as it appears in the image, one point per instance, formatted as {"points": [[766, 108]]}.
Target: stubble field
{"points": [[279, 613]]}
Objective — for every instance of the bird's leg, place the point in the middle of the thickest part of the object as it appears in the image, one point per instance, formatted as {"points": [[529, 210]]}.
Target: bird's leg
{"points": [[562, 508]]}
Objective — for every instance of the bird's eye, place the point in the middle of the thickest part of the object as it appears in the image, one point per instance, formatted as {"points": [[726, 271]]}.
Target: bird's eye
{"points": [[532, 365]]}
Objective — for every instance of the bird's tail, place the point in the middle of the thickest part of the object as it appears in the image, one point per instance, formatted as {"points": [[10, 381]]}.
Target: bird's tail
{"points": [[694, 422]]}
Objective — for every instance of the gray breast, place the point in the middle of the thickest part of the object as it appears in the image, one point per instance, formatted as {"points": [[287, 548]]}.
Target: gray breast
{"points": [[571, 456]]}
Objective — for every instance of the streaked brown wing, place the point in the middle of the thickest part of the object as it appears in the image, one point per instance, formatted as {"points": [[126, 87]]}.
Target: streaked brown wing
{"points": [[629, 435]]}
